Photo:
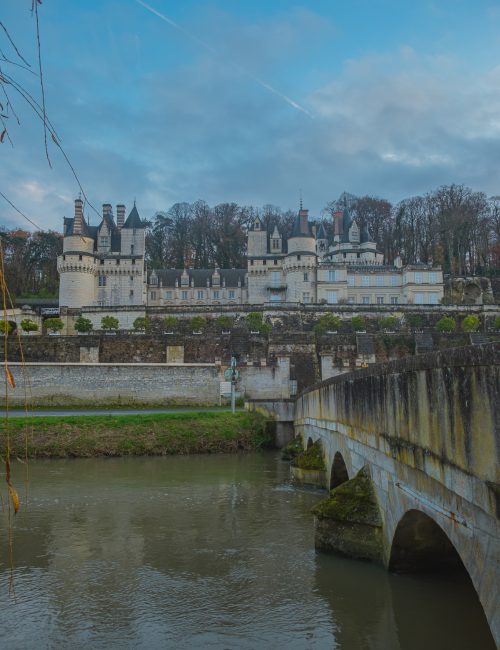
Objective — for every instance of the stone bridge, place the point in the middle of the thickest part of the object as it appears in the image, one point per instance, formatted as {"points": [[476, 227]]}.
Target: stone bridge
{"points": [[426, 431]]}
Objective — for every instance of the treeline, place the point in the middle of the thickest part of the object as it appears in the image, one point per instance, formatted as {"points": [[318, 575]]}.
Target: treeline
{"points": [[452, 226], [30, 262]]}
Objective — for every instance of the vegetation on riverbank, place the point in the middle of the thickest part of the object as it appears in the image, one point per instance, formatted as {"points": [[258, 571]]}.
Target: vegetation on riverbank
{"points": [[143, 434]]}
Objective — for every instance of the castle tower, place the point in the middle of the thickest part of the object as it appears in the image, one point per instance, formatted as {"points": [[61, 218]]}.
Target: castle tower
{"points": [[77, 264], [300, 263]]}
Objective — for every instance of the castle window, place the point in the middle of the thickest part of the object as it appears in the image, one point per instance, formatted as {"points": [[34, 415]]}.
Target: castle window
{"points": [[275, 244], [306, 297], [332, 276], [117, 262], [350, 300], [133, 262], [365, 300], [419, 298], [131, 249], [394, 300], [306, 278], [365, 281], [264, 262], [168, 295], [80, 257], [102, 280], [231, 295], [251, 262], [380, 300], [275, 262], [131, 279], [433, 278], [331, 297], [433, 298], [351, 281], [298, 258], [216, 295], [184, 295], [101, 262], [418, 278], [64, 257], [394, 280], [104, 241], [153, 295], [201, 295], [131, 293], [380, 280]]}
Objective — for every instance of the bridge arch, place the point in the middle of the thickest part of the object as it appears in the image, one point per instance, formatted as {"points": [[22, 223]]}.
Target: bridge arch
{"points": [[420, 545], [338, 473]]}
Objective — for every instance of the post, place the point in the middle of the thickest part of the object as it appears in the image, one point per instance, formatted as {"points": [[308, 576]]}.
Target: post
{"points": [[234, 376]]}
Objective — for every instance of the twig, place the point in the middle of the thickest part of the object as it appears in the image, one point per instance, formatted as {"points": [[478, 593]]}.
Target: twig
{"points": [[13, 44], [42, 89]]}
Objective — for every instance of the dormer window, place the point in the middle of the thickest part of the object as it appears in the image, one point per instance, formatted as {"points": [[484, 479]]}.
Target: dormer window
{"points": [[257, 225], [104, 241], [275, 244]]}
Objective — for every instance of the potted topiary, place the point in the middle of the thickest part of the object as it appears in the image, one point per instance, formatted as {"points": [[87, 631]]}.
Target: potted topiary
{"points": [[29, 326], [54, 325], [141, 324], [358, 323], [109, 323], [6, 327], [198, 324], [225, 323], [388, 323], [470, 323], [169, 324], [446, 325], [328, 324], [83, 325]]}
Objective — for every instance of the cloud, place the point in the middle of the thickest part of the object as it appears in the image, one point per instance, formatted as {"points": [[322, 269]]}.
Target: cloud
{"points": [[392, 124]]}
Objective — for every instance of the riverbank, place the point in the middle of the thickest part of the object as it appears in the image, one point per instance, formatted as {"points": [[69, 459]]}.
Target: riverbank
{"points": [[155, 434]]}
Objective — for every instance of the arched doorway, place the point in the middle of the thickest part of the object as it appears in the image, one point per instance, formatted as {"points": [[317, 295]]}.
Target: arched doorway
{"points": [[421, 546], [338, 474], [309, 443]]}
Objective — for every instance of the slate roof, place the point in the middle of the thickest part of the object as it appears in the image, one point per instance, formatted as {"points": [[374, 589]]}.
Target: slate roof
{"points": [[321, 232], [200, 276], [87, 231], [298, 230], [133, 219]]}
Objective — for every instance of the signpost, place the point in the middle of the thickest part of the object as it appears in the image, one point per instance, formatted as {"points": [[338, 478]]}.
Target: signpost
{"points": [[232, 375]]}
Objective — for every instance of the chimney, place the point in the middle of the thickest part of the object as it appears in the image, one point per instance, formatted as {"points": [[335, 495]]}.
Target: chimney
{"points": [[107, 210], [304, 221], [120, 215], [78, 221], [337, 222]]}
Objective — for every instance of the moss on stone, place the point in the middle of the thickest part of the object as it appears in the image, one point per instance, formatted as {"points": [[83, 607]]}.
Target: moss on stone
{"points": [[354, 501], [292, 449], [311, 458]]}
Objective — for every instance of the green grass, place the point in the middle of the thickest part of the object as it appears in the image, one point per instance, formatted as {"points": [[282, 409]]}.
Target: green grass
{"points": [[142, 434]]}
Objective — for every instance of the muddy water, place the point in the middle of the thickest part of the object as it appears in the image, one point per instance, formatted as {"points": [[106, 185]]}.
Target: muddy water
{"points": [[204, 552]]}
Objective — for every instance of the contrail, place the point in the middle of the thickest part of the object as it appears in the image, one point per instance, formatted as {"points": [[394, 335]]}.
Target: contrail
{"points": [[211, 49]]}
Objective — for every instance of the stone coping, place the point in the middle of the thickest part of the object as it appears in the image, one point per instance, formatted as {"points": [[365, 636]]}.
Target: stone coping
{"points": [[113, 365], [472, 355]]}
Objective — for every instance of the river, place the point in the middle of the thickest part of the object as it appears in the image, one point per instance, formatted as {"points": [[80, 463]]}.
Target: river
{"points": [[204, 552]]}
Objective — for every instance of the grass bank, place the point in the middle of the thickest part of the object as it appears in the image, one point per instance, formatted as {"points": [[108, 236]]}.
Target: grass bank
{"points": [[142, 434]]}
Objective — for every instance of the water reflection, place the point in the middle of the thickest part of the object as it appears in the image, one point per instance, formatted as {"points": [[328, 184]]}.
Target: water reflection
{"points": [[199, 552]]}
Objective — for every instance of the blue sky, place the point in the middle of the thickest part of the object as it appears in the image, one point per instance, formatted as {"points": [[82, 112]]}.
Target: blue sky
{"points": [[253, 101]]}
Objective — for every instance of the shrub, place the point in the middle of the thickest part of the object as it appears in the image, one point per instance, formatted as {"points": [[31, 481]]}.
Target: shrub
{"points": [[141, 323], [83, 325], [358, 323], [169, 323], [109, 323], [225, 322], [414, 320], [198, 323], [388, 323], [327, 322], [54, 324], [446, 324], [496, 323], [5, 327], [256, 323], [470, 323], [28, 325]]}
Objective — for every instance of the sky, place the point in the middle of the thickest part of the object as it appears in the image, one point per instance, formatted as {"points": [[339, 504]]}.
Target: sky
{"points": [[250, 101]]}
